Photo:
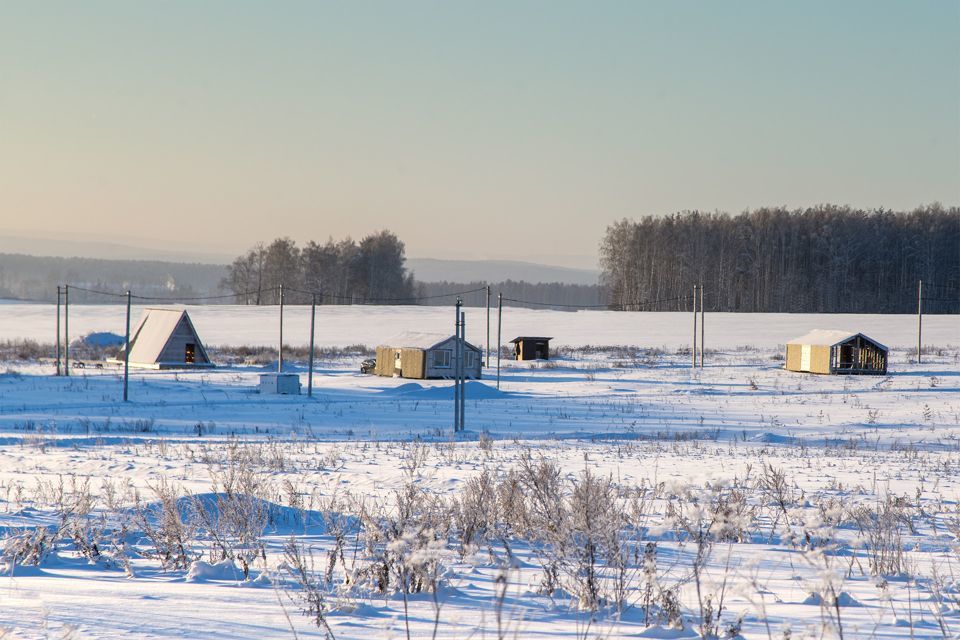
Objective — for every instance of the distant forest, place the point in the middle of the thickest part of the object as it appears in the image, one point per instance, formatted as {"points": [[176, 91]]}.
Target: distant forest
{"points": [[825, 259], [371, 271], [25, 277]]}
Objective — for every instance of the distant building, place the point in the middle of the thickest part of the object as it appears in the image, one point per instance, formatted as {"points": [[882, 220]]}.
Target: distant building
{"points": [[165, 339], [836, 352], [425, 355], [531, 348]]}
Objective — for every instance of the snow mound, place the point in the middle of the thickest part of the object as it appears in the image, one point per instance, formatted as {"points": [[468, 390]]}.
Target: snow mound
{"points": [[223, 571], [102, 339], [475, 391], [844, 599], [667, 633], [774, 438]]}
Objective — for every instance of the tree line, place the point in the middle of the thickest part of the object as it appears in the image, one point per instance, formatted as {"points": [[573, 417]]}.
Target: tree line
{"points": [[824, 259], [373, 270], [343, 271]]}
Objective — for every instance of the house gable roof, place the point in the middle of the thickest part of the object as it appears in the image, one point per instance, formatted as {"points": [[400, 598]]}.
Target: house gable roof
{"points": [[420, 340], [830, 337]]}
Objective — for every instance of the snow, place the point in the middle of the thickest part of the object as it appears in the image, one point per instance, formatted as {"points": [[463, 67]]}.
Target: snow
{"points": [[669, 437], [338, 326]]}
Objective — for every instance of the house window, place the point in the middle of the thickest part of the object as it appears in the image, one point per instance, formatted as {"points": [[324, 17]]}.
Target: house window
{"points": [[441, 358], [190, 353], [469, 360]]}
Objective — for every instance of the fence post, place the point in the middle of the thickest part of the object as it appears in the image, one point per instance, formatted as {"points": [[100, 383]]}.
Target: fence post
{"points": [[126, 353]]}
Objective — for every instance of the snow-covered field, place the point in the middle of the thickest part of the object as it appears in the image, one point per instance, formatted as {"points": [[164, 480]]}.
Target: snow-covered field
{"points": [[611, 493], [338, 326]]}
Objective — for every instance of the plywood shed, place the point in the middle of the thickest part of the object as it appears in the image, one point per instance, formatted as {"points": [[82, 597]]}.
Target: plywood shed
{"points": [[425, 355], [531, 348], [165, 339], [836, 352]]}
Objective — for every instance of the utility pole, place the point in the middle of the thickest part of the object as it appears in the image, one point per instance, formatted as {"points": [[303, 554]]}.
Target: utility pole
{"points": [[66, 330], [126, 353], [313, 316], [456, 370], [499, 328], [59, 372], [280, 346], [463, 367], [703, 324], [486, 357], [919, 319], [694, 350]]}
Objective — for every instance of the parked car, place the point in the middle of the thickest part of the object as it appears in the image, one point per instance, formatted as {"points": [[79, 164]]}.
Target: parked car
{"points": [[368, 365]]}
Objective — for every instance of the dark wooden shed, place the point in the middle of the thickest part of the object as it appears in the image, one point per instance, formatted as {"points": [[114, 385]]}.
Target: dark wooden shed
{"points": [[531, 348]]}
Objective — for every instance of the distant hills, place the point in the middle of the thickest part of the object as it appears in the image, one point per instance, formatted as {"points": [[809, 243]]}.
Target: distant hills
{"points": [[55, 247], [432, 270], [424, 269]]}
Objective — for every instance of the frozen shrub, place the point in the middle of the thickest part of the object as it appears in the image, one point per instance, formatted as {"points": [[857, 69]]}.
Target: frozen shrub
{"points": [[595, 524], [475, 512], [29, 547], [164, 524], [310, 593], [880, 528]]}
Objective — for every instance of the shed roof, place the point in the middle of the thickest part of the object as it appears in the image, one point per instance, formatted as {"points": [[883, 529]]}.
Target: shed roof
{"points": [[521, 338], [830, 337]]}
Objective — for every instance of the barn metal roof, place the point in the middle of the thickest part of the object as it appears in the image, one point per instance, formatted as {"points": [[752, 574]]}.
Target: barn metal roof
{"points": [[830, 337]]}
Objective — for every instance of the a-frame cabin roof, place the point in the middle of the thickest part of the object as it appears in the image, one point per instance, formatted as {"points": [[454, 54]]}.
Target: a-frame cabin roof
{"points": [[154, 331]]}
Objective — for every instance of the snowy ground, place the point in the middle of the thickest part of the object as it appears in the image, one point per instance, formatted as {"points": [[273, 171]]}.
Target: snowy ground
{"points": [[782, 495]]}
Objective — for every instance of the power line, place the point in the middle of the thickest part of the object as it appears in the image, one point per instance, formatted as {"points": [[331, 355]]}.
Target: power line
{"points": [[365, 300], [609, 306]]}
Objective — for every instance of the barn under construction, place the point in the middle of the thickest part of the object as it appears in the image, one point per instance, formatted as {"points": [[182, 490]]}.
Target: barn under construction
{"points": [[836, 352], [165, 339], [426, 355]]}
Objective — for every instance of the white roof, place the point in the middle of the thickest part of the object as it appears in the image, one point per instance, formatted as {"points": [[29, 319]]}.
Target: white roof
{"points": [[153, 332], [420, 340], [829, 337], [416, 340]]}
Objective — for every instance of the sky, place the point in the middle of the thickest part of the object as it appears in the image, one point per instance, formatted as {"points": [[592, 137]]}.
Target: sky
{"points": [[473, 130]]}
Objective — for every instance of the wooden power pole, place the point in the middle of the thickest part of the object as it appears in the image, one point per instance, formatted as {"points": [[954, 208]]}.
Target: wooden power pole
{"points": [[919, 319], [693, 352]]}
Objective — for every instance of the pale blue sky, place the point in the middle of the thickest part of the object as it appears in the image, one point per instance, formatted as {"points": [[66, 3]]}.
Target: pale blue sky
{"points": [[483, 123]]}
